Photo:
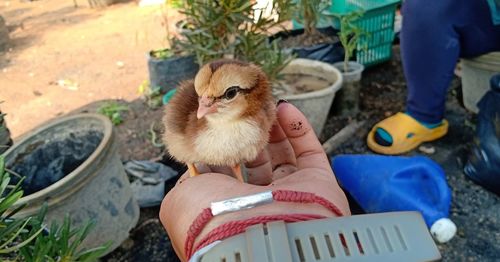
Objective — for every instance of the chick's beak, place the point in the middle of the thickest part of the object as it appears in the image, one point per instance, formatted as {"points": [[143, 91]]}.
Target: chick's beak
{"points": [[205, 106]]}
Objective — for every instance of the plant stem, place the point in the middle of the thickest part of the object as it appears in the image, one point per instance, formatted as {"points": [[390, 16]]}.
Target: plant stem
{"points": [[346, 62]]}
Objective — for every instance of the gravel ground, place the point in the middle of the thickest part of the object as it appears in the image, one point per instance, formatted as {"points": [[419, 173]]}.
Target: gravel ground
{"points": [[475, 211]]}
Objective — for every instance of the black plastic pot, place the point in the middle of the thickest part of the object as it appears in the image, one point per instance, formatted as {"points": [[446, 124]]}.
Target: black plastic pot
{"points": [[326, 52], [167, 73]]}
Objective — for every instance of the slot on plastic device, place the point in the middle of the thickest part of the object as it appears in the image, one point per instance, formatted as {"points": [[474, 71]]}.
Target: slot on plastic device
{"points": [[392, 236]]}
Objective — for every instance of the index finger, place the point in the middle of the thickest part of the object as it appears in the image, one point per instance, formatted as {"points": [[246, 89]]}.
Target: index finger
{"points": [[306, 146]]}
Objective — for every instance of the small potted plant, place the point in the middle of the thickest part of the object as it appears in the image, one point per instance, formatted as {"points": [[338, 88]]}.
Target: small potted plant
{"points": [[225, 30], [169, 66], [313, 38], [237, 30], [347, 101]]}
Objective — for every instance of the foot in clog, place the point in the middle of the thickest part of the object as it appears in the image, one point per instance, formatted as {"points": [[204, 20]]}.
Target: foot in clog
{"points": [[401, 133]]}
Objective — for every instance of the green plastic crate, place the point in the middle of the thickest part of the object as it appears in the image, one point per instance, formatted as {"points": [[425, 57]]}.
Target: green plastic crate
{"points": [[377, 21]]}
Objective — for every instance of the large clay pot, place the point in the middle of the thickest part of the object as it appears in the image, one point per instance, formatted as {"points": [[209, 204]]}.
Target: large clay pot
{"points": [[316, 104], [72, 164]]}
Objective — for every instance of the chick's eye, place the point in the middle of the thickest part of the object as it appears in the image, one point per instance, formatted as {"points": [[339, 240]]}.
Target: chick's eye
{"points": [[231, 92]]}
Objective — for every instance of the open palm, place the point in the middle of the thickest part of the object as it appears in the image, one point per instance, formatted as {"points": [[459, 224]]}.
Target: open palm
{"points": [[293, 160]]}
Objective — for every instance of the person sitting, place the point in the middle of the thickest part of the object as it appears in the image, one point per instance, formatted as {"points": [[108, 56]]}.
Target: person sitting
{"points": [[434, 35], [293, 167]]}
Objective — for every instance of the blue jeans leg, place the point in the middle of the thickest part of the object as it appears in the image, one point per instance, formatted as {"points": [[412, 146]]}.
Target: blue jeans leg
{"points": [[435, 34]]}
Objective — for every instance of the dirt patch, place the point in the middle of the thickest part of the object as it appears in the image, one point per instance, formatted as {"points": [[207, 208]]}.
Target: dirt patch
{"points": [[293, 84], [147, 242], [296, 126], [92, 54], [305, 40], [139, 135]]}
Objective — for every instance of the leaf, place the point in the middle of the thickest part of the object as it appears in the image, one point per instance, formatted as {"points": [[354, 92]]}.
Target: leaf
{"points": [[10, 228], [42, 212], [22, 244], [81, 235], [65, 232], [14, 236], [2, 166], [10, 200], [4, 184], [93, 253], [13, 212]]}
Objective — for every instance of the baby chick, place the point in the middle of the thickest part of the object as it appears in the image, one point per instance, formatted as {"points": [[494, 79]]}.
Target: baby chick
{"points": [[223, 118]]}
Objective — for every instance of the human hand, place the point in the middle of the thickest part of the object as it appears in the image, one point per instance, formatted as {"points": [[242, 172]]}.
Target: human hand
{"points": [[293, 160]]}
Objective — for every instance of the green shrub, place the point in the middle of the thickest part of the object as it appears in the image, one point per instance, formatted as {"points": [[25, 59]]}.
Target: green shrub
{"points": [[309, 12], [234, 29], [26, 239], [349, 35]]}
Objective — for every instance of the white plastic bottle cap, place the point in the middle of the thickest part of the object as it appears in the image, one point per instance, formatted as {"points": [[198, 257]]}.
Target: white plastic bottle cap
{"points": [[443, 230]]}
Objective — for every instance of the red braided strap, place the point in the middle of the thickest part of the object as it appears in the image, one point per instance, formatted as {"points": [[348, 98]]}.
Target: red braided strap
{"points": [[305, 197], [196, 227], [232, 228], [236, 227]]}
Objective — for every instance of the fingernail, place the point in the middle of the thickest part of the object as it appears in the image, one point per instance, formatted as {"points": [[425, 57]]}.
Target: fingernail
{"points": [[282, 101]]}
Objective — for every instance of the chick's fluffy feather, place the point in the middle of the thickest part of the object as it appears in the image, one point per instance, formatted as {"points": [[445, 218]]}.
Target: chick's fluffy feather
{"points": [[237, 133]]}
